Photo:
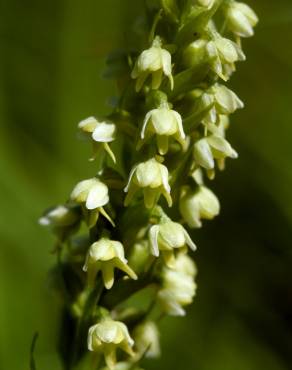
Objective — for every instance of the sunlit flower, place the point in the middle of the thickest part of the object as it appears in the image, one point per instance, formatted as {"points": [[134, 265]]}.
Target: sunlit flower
{"points": [[212, 147], [101, 133], [163, 122], [105, 255], [152, 177], [106, 337], [167, 237], [155, 61], [93, 195]]}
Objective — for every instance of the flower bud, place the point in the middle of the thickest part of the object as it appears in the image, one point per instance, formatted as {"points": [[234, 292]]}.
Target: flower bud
{"points": [[146, 337], [152, 177], [139, 256], [240, 19], [196, 53], [155, 61], [106, 255], [106, 337], [166, 237], [101, 133], [163, 122], [201, 204]]}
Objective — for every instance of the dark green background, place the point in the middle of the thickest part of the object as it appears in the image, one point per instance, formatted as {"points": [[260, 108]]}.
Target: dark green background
{"points": [[52, 56]]}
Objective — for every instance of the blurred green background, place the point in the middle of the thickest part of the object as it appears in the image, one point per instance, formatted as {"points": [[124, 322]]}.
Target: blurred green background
{"points": [[52, 57]]}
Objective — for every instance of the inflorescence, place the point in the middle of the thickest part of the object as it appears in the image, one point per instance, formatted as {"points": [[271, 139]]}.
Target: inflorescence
{"points": [[123, 232]]}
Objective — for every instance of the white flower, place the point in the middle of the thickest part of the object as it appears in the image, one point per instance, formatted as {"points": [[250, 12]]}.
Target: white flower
{"points": [[240, 19], [102, 133], [146, 337], [164, 122], [166, 237], [106, 255], [106, 337], [223, 53], [152, 177], [93, 194], [201, 204], [178, 290], [185, 265], [212, 147], [155, 61], [222, 101]]}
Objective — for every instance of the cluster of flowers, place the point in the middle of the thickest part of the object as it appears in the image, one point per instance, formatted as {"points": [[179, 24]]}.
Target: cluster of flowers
{"points": [[162, 99]]}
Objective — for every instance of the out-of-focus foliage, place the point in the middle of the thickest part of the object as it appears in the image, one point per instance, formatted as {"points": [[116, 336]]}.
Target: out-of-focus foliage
{"points": [[52, 56]]}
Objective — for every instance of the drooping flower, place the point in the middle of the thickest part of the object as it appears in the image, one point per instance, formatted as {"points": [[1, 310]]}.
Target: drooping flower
{"points": [[106, 337], [178, 288], [241, 19], [219, 52], [221, 100], [101, 133], [152, 177], [154, 61], [167, 237], [105, 255], [92, 194], [197, 205], [164, 123], [212, 147]]}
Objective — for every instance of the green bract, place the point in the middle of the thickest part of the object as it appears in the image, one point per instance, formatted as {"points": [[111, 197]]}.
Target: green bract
{"points": [[166, 132]]}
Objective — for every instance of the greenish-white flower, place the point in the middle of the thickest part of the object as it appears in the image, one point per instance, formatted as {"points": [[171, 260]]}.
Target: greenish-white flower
{"points": [[106, 337], [164, 123], [167, 237], [152, 177], [241, 19], [93, 195], [154, 61], [146, 337], [101, 133], [178, 290], [222, 101], [212, 147], [197, 205], [105, 255], [185, 265], [223, 53]]}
